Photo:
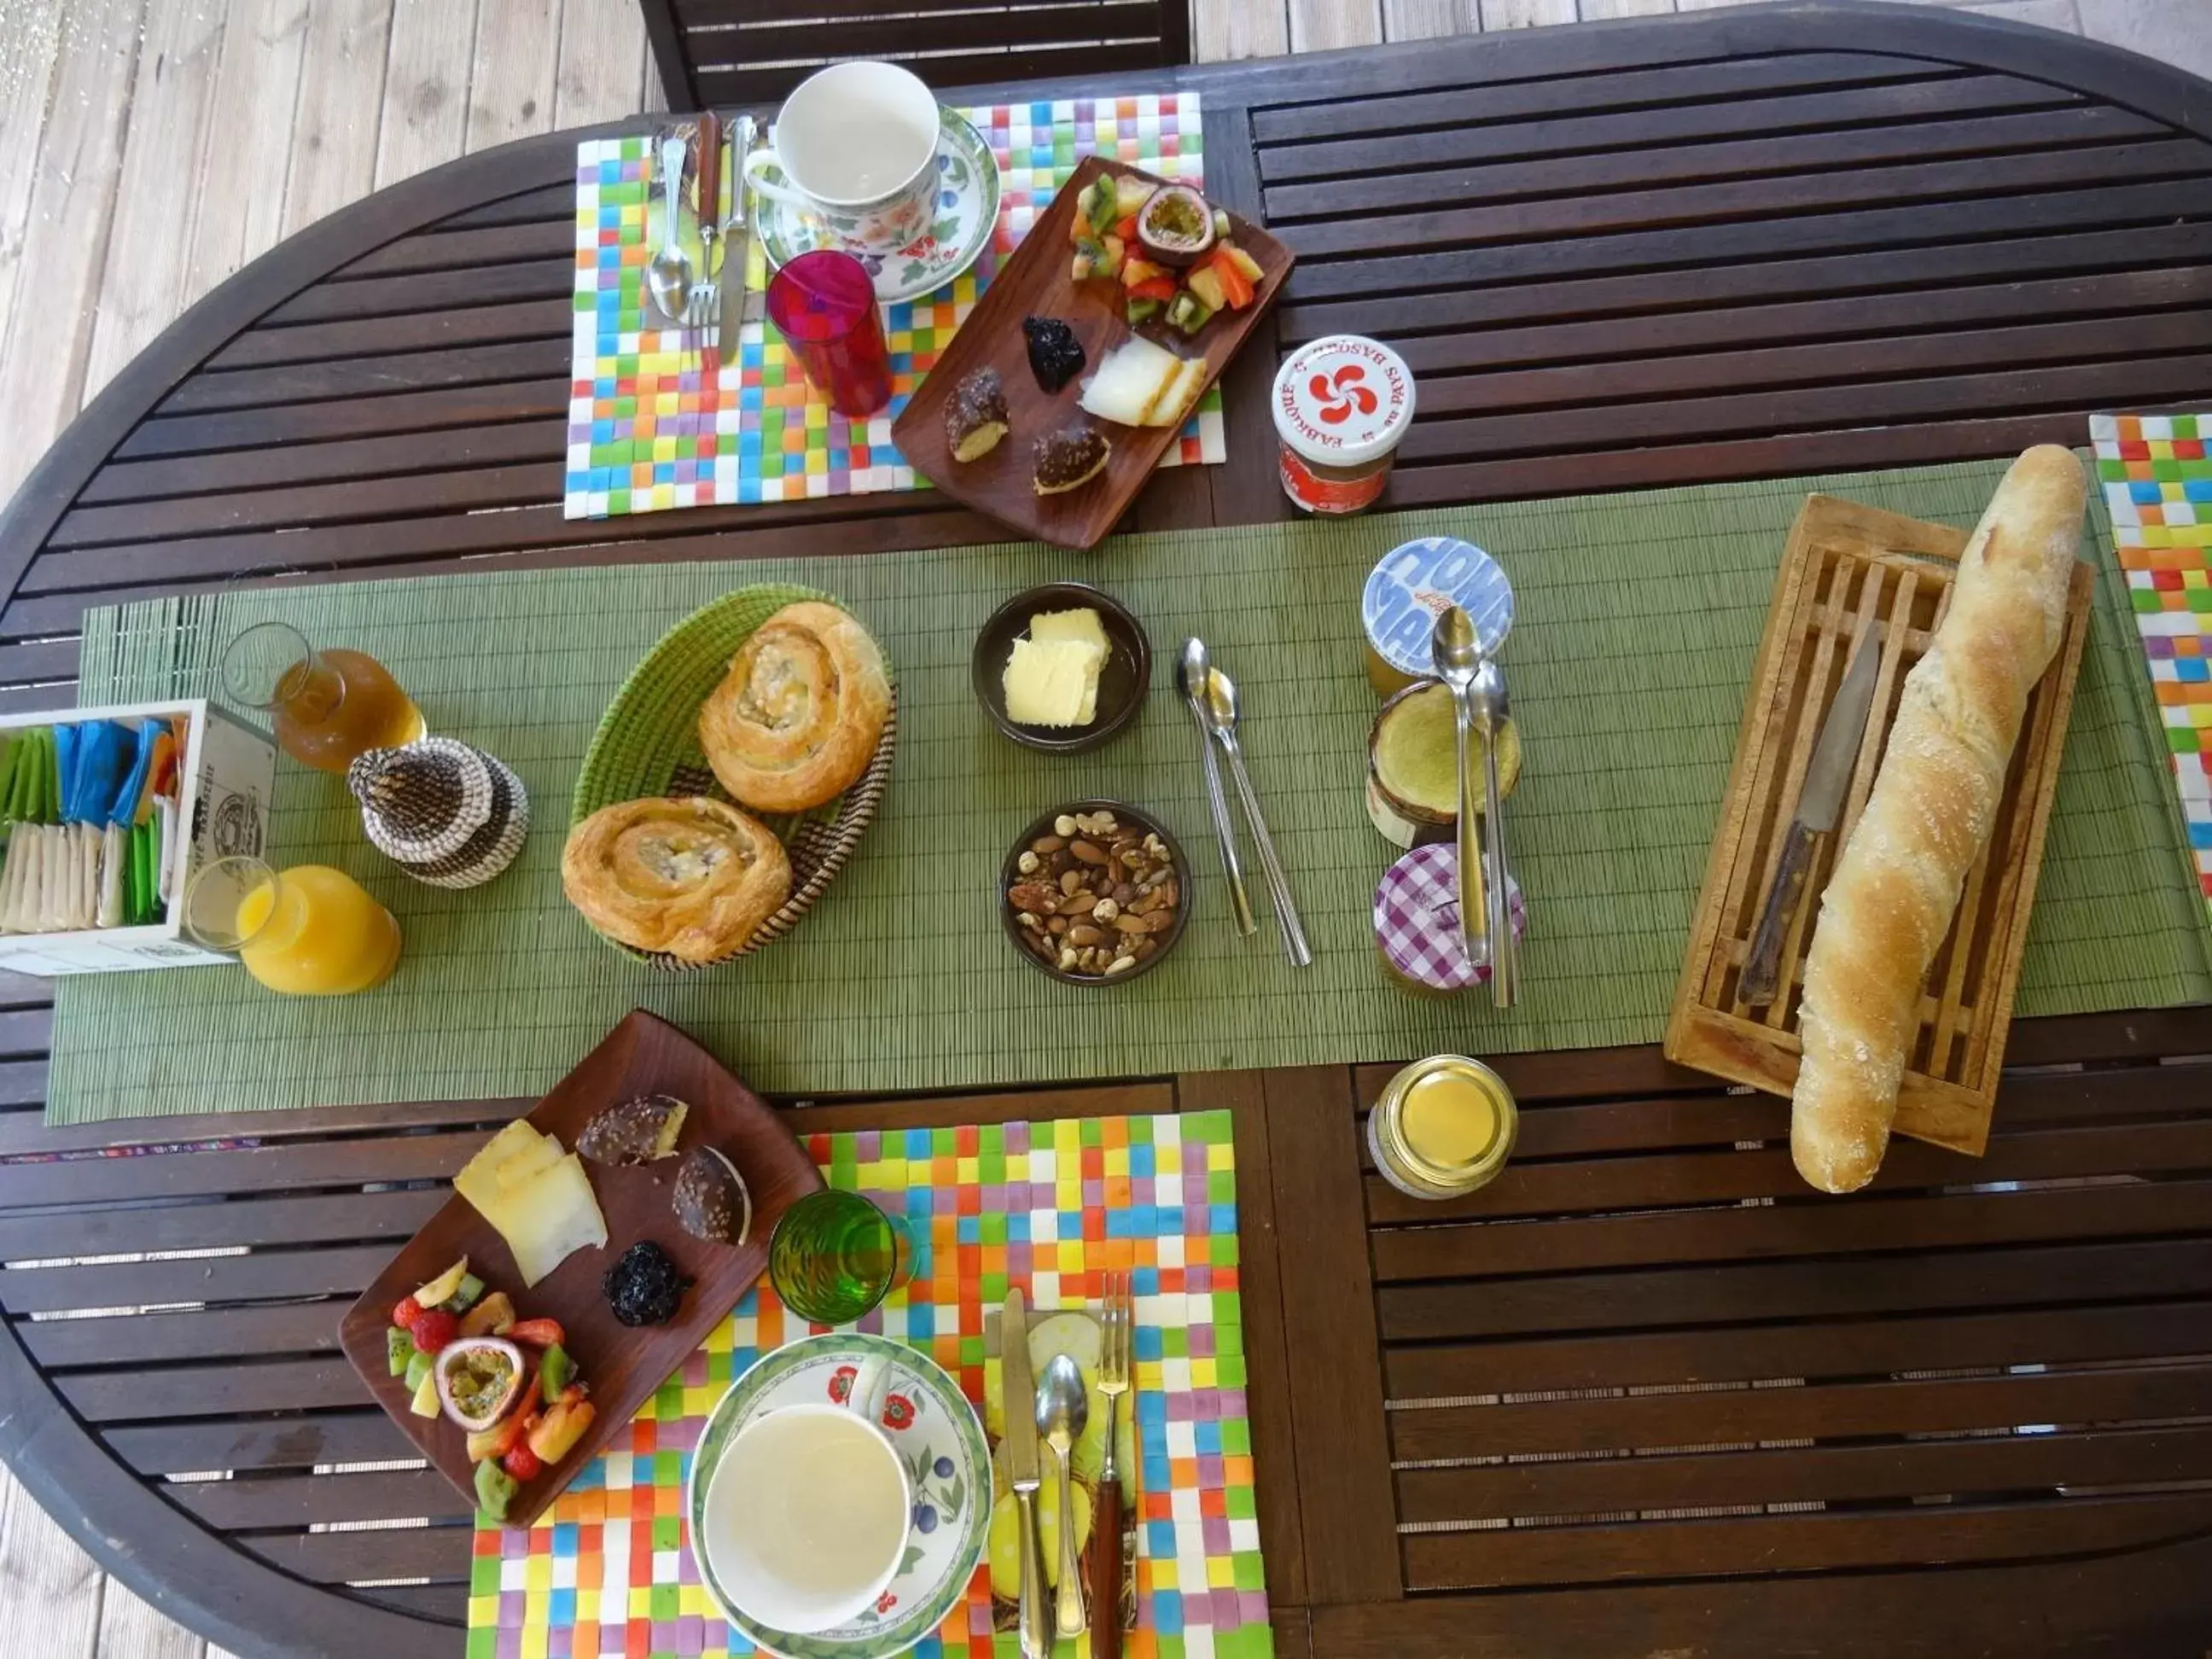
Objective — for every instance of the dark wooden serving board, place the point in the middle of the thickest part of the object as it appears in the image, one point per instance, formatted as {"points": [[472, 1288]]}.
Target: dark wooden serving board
{"points": [[1035, 282], [644, 1054]]}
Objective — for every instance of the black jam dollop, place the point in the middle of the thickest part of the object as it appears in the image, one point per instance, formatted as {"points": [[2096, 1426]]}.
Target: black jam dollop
{"points": [[644, 1287], [1056, 354]]}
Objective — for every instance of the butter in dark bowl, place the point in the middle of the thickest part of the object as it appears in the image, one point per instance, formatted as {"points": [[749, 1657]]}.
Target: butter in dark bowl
{"points": [[1124, 672]]}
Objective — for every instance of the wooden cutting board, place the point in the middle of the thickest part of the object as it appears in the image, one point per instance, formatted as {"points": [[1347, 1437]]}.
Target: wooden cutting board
{"points": [[1847, 568], [1035, 281], [622, 1366]]}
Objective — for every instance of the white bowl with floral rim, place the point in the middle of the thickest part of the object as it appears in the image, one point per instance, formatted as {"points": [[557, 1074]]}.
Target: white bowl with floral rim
{"points": [[938, 1437]]}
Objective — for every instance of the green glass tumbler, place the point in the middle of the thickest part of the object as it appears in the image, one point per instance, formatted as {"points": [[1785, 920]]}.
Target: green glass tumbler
{"points": [[835, 1255]]}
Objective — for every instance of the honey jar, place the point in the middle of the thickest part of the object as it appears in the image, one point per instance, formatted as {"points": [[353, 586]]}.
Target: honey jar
{"points": [[1444, 1127]]}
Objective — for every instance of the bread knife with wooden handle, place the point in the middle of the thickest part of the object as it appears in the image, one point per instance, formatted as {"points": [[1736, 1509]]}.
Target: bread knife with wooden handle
{"points": [[1819, 805]]}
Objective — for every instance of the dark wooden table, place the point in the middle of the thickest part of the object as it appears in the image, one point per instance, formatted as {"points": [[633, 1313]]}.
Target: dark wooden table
{"points": [[1646, 1394]]}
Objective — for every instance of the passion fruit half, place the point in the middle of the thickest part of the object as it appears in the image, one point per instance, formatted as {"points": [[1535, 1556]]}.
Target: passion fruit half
{"points": [[1175, 225], [478, 1378]]}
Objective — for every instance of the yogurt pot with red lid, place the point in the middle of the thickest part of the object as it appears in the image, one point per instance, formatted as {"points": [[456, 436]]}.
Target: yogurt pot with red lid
{"points": [[1342, 403]]}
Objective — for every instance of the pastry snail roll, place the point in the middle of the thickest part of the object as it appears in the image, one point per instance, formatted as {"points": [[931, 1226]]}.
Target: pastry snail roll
{"points": [[796, 719], [688, 876], [975, 414]]}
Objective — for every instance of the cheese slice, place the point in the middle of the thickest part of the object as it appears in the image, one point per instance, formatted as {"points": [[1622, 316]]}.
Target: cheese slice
{"points": [[551, 1217], [478, 1181], [1053, 682], [526, 1161], [1082, 624]]}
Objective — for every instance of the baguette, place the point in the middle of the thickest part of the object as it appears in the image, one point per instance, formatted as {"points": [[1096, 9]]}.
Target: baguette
{"points": [[1887, 908]]}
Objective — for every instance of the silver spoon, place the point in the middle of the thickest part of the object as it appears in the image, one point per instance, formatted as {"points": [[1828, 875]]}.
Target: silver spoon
{"points": [[1491, 708], [1063, 1409], [1195, 668], [1221, 719], [668, 275], [1456, 655]]}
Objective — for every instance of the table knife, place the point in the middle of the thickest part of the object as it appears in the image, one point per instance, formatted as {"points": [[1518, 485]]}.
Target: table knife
{"points": [[1819, 803], [737, 240], [1024, 1473]]}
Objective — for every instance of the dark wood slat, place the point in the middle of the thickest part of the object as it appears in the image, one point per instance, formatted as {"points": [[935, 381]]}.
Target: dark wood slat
{"points": [[466, 250], [1608, 86], [1731, 1416], [26, 1031], [548, 201], [718, 55], [1868, 229], [318, 1163], [2144, 1034], [347, 459], [1815, 1229], [281, 1385], [265, 1126], [374, 500], [1806, 1474], [1910, 358], [2038, 129], [38, 660], [1916, 1283], [431, 291], [1966, 182], [371, 377], [1262, 1295], [312, 1272], [1822, 1350], [330, 1558], [145, 1339], [420, 411], [448, 1604], [1682, 299], [1328, 1323], [1895, 1537], [436, 330], [1861, 320], [22, 1083], [1907, 443], [298, 1500], [1659, 125], [37, 699], [707, 23], [299, 1440], [1639, 1182]]}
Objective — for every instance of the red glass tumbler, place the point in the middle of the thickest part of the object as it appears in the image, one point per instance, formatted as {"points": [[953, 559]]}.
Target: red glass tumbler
{"points": [[823, 304]]}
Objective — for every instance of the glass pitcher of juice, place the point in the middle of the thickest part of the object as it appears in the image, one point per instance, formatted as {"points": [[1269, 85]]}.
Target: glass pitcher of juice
{"points": [[310, 931], [329, 706]]}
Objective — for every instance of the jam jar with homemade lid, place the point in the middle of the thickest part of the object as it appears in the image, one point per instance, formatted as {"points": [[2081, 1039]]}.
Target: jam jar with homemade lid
{"points": [[1341, 404]]}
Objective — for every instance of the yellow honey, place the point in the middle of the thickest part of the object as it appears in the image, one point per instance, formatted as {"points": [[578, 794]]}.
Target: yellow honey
{"points": [[1445, 1126]]}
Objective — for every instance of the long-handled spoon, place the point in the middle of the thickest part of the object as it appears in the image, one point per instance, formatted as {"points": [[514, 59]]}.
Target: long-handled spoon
{"points": [[1456, 655], [1196, 667], [1063, 1409], [1221, 717], [668, 275]]}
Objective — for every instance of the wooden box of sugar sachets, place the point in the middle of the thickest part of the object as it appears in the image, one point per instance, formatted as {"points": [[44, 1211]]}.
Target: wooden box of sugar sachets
{"points": [[106, 813]]}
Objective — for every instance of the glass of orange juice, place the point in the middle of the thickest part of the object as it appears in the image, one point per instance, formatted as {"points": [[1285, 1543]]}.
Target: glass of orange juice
{"points": [[310, 931], [329, 706]]}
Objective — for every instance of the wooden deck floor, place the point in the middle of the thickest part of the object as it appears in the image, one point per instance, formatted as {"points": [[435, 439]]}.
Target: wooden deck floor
{"points": [[150, 148]]}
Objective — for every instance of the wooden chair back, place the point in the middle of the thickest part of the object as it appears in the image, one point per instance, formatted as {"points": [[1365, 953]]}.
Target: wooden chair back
{"points": [[726, 52]]}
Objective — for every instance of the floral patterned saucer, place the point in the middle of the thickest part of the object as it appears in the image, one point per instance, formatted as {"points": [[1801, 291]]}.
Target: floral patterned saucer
{"points": [[967, 213], [938, 1435]]}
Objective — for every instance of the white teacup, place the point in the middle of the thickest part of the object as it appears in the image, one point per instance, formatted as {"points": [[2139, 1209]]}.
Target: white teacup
{"points": [[807, 1512], [857, 142]]}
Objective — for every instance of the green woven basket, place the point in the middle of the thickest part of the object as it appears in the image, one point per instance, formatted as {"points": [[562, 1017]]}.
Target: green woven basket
{"points": [[648, 744]]}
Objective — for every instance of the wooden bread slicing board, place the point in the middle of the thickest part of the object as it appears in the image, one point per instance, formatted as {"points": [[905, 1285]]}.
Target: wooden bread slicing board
{"points": [[1848, 570], [1037, 281]]}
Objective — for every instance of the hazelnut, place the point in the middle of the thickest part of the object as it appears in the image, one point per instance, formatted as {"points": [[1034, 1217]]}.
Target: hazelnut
{"points": [[1027, 864], [1105, 911], [1063, 826], [1068, 960]]}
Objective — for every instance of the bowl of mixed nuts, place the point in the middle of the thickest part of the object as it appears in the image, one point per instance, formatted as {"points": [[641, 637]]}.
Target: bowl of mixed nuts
{"points": [[1095, 892]]}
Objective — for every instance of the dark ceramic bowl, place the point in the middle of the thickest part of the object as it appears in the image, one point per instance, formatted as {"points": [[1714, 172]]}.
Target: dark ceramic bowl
{"points": [[1122, 680], [1124, 813]]}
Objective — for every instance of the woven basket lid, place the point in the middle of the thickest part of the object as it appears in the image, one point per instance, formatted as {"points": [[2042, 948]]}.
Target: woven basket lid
{"points": [[422, 802]]}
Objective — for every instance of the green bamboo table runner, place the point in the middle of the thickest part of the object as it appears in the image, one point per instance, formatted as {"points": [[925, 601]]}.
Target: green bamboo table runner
{"points": [[1637, 618]]}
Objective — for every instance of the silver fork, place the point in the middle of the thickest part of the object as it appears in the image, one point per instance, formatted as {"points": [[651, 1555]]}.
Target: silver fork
{"points": [[703, 303], [1111, 1536]]}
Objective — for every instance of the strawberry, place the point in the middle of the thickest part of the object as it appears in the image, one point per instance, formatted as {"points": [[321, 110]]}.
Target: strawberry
{"points": [[405, 1312], [521, 1463], [433, 1328]]}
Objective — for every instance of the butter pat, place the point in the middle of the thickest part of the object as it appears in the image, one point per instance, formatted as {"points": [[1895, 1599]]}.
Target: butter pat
{"points": [[1053, 682], [1081, 624]]}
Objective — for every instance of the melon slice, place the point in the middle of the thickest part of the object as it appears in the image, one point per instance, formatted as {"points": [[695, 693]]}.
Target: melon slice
{"points": [[1179, 395], [1131, 381], [478, 1180]]}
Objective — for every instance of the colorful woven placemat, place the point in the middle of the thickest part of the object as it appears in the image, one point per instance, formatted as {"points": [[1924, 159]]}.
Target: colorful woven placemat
{"points": [[2157, 480], [1048, 1206], [1639, 615], [661, 417]]}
